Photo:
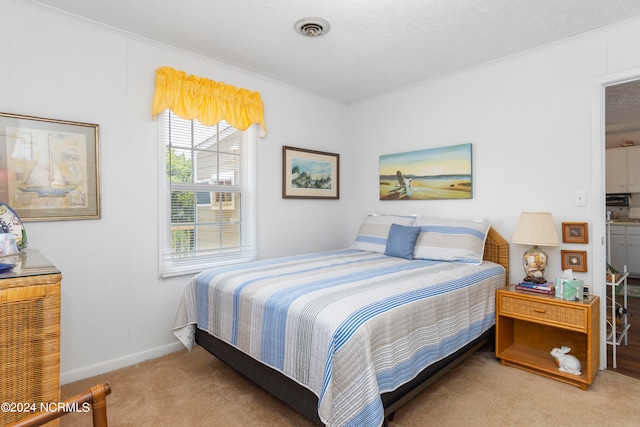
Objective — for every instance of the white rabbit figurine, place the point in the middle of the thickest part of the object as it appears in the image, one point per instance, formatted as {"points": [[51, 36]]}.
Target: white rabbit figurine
{"points": [[566, 362]]}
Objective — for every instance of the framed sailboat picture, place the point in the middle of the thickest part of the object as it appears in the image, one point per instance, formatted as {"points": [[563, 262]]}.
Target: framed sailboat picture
{"points": [[49, 169]]}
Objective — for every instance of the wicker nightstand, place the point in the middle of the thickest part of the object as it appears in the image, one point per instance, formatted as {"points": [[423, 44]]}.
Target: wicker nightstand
{"points": [[29, 336], [528, 326]]}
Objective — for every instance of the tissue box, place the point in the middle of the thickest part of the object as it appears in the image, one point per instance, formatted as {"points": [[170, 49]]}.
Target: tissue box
{"points": [[571, 290]]}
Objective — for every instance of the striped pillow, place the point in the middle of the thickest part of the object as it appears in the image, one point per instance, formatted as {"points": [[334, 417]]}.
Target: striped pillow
{"points": [[451, 240], [374, 231]]}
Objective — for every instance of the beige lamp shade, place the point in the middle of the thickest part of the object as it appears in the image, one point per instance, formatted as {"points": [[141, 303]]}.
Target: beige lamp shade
{"points": [[536, 228]]}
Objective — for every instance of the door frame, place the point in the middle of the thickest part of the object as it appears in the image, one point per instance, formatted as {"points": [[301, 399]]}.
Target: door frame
{"points": [[598, 145]]}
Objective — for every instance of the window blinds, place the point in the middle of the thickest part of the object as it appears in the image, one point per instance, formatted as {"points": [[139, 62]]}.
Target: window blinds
{"points": [[208, 204]]}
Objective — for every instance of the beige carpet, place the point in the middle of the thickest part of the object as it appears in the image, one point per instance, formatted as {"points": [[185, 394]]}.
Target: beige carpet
{"points": [[195, 389]]}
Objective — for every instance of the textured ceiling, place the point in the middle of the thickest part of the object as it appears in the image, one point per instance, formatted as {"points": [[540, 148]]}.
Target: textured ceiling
{"points": [[623, 107], [373, 46]]}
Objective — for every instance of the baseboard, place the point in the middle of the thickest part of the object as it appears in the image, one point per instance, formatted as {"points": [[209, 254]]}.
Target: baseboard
{"points": [[119, 362]]}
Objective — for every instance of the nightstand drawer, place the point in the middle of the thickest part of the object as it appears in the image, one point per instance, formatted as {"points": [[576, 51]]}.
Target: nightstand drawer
{"points": [[543, 311]]}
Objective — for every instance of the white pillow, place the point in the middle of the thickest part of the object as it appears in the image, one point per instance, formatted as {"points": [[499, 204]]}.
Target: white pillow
{"points": [[451, 240], [374, 231]]}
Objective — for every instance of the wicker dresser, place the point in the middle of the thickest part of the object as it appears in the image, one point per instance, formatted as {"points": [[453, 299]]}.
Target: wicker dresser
{"points": [[528, 326], [29, 336]]}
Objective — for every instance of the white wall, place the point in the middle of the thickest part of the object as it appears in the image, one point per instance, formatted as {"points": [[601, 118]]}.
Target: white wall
{"points": [[534, 120], [529, 120], [115, 309]]}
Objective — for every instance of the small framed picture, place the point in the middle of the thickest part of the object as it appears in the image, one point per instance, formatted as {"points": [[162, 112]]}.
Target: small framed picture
{"points": [[310, 174], [575, 232], [574, 260]]}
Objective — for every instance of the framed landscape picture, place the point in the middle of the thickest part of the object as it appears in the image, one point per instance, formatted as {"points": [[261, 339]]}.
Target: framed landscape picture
{"points": [[430, 174], [310, 174], [49, 169]]}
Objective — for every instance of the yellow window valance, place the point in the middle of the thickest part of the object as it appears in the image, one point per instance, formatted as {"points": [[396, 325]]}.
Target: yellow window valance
{"points": [[192, 97]]}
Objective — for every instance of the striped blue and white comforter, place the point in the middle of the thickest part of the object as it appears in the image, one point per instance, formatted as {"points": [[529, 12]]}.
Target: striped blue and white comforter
{"points": [[348, 325]]}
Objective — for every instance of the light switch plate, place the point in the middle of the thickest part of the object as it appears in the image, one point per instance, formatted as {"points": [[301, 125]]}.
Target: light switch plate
{"points": [[581, 198]]}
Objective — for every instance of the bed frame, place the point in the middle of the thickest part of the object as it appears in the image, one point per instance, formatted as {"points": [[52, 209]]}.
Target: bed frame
{"points": [[305, 402]]}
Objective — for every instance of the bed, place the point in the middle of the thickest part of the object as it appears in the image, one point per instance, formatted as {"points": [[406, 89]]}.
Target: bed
{"points": [[346, 337]]}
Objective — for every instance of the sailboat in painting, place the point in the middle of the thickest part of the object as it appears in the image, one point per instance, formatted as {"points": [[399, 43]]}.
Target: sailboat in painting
{"points": [[45, 178]]}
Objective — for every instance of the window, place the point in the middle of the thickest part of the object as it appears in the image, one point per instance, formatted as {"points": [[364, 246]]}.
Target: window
{"points": [[208, 203]]}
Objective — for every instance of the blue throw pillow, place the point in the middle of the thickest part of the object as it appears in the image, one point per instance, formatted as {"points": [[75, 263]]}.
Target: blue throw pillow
{"points": [[401, 241]]}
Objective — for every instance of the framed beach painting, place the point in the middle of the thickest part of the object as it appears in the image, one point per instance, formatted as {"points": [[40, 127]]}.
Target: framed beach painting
{"points": [[49, 169], [310, 174], [430, 174]]}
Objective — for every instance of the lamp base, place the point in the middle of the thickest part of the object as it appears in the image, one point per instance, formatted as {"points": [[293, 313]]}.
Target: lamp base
{"points": [[535, 262]]}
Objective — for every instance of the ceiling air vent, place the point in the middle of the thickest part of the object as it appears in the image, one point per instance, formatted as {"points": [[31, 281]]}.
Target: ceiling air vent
{"points": [[312, 27]]}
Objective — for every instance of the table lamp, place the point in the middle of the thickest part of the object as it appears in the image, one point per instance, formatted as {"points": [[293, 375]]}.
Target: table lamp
{"points": [[537, 229]]}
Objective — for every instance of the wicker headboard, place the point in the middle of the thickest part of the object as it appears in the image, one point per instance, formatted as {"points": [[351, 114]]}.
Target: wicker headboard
{"points": [[496, 249]]}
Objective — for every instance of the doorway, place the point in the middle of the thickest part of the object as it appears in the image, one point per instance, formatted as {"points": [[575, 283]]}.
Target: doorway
{"points": [[622, 137]]}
